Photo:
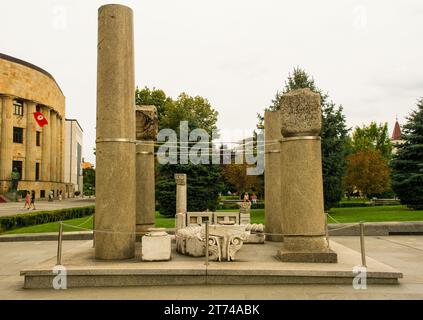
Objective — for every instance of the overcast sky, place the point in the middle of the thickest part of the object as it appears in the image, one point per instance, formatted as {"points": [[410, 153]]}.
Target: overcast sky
{"points": [[367, 54]]}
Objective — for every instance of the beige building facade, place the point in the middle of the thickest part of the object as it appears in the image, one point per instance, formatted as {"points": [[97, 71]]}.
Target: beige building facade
{"points": [[73, 157], [36, 152]]}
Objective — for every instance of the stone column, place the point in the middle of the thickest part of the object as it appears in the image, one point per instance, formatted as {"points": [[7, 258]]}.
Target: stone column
{"points": [[272, 182], [53, 145], [61, 151], [6, 147], [115, 153], [46, 147], [30, 143], [301, 180], [146, 135], [181, 200]]}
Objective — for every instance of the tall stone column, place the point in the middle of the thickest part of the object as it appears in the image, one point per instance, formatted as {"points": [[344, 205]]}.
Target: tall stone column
{"points": [[301, 180], [46, 147], [30, 143], [181, 200], [115, 153], [6, 147], [53, 145], [146, 135], [59, 177], [272, 182]]}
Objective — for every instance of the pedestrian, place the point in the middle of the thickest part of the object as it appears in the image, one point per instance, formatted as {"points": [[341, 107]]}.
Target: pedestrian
{"points": [[246, 197], [32, 205], [60, 195], [254, 198], [27, 200], [50, 195]]}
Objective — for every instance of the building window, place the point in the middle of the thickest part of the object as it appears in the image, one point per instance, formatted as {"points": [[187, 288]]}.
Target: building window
{"points": [[17, 135], [37, 171], [18, 166], [38, 108], [38, 138], [42, 194], [18, 108]]}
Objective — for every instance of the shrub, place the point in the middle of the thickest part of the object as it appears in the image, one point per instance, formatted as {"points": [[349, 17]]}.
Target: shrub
{"points": [[34, 218]]}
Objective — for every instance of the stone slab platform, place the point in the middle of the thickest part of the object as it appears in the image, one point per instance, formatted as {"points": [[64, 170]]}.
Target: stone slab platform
{"points": [[256, 264]]}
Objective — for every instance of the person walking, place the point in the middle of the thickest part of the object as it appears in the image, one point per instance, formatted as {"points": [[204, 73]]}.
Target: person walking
{"points": [[60, 195], [27, 200], [32, 205]]}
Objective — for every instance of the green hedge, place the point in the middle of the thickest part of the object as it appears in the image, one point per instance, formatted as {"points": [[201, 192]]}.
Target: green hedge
{"points": [[41, 217], [231, 206], [354, 204]]}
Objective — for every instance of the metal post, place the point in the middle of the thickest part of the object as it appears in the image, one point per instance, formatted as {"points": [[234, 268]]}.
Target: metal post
{"points": [[207, 242], [59, 244], [94, 230], [327, 228], [363, 249]]}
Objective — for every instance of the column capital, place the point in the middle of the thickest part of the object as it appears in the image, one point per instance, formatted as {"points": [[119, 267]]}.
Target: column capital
{"points": [[300, 113]]}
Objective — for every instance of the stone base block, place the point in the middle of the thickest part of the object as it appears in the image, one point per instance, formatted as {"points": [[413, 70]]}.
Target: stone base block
{"points": [[156, 248], [143, 228], [274, 238], [326, 256], [244, 218], [256, 238]]}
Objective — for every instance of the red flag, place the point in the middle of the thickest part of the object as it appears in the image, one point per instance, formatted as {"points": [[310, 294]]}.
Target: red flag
{"points": [[41, 120]]}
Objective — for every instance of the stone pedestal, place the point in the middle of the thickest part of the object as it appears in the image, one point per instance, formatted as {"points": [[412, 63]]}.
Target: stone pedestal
{"points": [[244, 212], [303, 216], [272, 182], [146, 134], [156, 245], [181, 193], [115, 172]]}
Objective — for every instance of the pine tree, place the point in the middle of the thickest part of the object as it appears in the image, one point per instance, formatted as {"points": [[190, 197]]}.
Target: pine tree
{"points": [[407, 164], [334, 135]]}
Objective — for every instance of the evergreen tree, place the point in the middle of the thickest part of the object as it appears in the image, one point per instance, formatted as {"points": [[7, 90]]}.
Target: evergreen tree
{"points": [[334, 135], [407, 163], [204, 181]]}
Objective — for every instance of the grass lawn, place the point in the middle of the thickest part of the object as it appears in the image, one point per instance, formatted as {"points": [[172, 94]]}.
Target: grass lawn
{"points": [[376, 214], [342, 215]]}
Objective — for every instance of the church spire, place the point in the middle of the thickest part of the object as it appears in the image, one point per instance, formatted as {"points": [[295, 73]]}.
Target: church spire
{"points": [[396, 134]]}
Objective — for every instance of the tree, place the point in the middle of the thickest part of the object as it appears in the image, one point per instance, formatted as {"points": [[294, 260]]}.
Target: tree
{"points": [[334, 135], [155, 97], [407, 163], [204, 180], [368, 172], [204, 183], [89, 180], [373, 136], [196, 110], [236, 175]]}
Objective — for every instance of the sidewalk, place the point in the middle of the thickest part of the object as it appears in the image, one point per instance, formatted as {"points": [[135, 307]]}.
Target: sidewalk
{"points": [[12, 208]]}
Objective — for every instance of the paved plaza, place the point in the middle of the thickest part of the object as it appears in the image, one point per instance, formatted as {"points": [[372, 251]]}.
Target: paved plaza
{"points": [[12, 208], [404, 253]]}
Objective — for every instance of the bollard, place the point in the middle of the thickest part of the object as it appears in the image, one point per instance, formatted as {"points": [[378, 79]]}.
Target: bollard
{"points": [[207, 242], [59, 244], [327, 229], [363, 249], [94, 230]]}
